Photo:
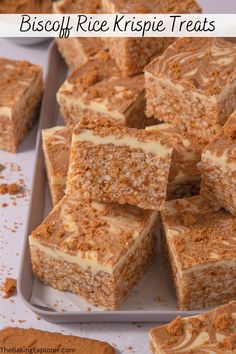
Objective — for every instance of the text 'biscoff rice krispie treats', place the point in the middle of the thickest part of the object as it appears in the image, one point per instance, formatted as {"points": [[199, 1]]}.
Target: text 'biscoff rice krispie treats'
{"points": [[212, 332], [193, 85], [132, 54], [21, 87], [77, 51], [56, 148], [121, 165], [96, 250], [200, 244], [184, 176], [32, 340], [98, 92], [218, 168]]}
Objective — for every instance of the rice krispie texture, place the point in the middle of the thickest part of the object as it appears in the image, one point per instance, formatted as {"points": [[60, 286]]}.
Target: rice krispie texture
{"points": [[132, 54], [96, 250], [211, 332], [121, 165], [56, 148], [36, 340], [193, 85], [218, 167], [97, 92], [184, 176], [21, 87], [200, 245], [77, 51]]}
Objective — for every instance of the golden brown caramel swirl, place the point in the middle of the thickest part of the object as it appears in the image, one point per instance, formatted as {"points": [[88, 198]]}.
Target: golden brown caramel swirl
{"points": [[223, 146], [199, 234], [15, 79], [92, 229], [206, 65], [211, 333]]}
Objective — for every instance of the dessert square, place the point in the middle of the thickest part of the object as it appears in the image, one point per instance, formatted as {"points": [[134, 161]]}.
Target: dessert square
{"points": [[97, 92], [77, 51], [96, 250], [56, 148], [218, 167], [21, 88], [37, 340], [184, 176], [132, 54], [120, 165], [211, 332], [192, 85], [200, 245]]}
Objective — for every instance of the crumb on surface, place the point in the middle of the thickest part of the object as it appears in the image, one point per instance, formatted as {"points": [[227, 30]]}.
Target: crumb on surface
{"points": [[9, 288], [12, 188]]}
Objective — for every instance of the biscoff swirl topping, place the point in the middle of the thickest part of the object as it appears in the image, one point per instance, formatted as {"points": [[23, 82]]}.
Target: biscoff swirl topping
{"points": [[15, 79], [141, 135], [100, 82], [108, 230], [214, 332], [199, 235], [203, 64], [224, 143]]}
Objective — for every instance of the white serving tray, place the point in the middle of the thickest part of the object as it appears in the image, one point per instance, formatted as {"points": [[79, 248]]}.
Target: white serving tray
{"points": [[152, 300]]}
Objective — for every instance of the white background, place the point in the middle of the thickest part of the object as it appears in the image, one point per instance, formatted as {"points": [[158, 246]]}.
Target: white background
{"points": [[12, 313], [113, 25]]}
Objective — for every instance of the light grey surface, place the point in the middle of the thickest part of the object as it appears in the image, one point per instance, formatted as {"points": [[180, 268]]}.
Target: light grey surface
{"points": [[28, 41], [218, 6], [128, 338]]}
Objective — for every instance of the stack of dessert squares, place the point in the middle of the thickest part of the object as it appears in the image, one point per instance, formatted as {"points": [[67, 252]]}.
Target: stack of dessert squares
{"points": [[142, 151]]}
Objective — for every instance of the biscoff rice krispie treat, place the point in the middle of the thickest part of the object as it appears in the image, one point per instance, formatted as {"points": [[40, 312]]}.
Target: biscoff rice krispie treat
{"points": [[218, 167], [118, 164], [98, 91], [77, 51], [99, 251], [132, 54], [21, 88], [193, 85], [199, 242], [184, 176]]}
